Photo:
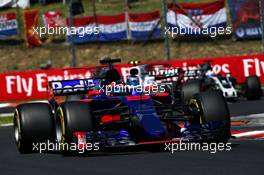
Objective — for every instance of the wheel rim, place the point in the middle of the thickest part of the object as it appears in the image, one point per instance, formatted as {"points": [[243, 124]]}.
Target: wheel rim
{"points": [[195, 107], [58, 129], [17, 129]]}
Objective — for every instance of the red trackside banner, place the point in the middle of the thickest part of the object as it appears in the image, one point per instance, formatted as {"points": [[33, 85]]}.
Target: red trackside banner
{"points": [[31, 85]]}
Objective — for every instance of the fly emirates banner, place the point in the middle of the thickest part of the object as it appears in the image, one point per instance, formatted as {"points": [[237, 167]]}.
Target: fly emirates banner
{"points": [[32, 85]]}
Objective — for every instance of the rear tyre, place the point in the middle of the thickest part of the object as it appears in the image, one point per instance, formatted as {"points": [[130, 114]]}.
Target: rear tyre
{"points": [[253, 89], [190, 88], [74, 97], [72, 116], [33, 123], [212, 110]]}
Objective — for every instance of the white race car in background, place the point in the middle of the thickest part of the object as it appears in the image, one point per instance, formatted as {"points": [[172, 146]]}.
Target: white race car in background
{"points": [[225, 85], [251, 89]]}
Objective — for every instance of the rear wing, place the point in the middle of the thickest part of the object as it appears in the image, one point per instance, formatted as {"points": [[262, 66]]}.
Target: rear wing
{"points": [[71, 87], [171, 72]]}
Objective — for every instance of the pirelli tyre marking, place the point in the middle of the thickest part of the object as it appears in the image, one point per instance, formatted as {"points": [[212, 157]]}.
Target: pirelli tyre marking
{"points": [[17, 127], [59, 113], [196, 104]]}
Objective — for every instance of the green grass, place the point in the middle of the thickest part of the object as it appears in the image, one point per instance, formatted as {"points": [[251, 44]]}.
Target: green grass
{"points": [[6, 120]]}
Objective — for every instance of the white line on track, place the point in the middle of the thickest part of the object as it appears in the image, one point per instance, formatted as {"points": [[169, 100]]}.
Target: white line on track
{"points": [[8, 124], [255, 134], [6, 115], [261, 115], [3, 105]]}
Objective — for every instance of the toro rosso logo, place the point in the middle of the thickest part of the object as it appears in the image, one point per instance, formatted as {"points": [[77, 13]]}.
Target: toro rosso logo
{"points": [[71, 86]]}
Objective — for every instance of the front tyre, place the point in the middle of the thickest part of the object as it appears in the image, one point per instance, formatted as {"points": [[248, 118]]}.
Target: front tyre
{"points": [[190, 88], [212, 111], [72, 116]]}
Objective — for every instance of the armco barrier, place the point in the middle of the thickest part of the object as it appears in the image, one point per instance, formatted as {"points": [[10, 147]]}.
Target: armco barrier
{"points": [[31, 85]]}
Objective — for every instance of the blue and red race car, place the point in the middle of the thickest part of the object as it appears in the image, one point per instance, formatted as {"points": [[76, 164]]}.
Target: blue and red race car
{"points": [[112, 112]]}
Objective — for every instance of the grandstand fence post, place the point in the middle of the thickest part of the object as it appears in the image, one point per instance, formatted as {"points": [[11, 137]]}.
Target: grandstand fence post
{"points": [[73, 49], [261, 11], [166, 38]]}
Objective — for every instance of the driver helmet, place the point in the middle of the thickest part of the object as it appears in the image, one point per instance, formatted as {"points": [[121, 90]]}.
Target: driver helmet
{"points": [[209, 73], [133, 81]]}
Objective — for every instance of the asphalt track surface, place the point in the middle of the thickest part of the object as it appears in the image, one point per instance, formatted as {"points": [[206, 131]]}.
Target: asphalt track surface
{"points": [[245, 157]]}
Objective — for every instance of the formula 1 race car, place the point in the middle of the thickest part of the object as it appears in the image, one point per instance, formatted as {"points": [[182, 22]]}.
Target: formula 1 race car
{"points": [[199, 80], [96, 112], [251, 89]]}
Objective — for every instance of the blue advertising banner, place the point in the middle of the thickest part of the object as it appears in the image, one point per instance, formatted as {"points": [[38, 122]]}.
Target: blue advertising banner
{"points": [[245, 18], [8, 24]]}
